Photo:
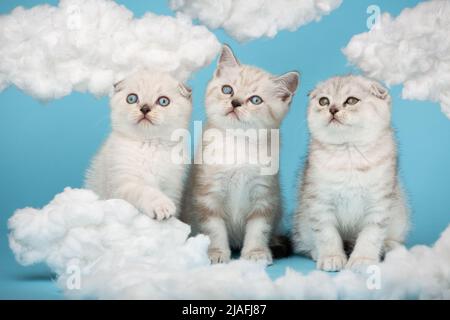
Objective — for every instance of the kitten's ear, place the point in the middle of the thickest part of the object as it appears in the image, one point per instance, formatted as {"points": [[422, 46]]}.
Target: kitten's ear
{"points": [[379, 91], [185, 90], [312, 94], [226, 60], [287, 85], [118, 86]]}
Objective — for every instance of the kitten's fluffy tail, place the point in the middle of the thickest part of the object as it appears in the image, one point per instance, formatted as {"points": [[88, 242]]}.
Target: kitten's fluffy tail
{"points": [[281, 246]]}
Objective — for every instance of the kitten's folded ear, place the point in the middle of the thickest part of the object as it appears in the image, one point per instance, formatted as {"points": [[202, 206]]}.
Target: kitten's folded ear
{"points": [[378, 90], [118, 86], [287, 85], [227, 59], [312, 94], [185, 91]]}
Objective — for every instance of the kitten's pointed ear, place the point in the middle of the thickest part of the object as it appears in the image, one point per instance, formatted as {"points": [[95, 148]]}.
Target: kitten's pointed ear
{"points": [[288, 84], [185, 90], [379, 91], [227, 59]]}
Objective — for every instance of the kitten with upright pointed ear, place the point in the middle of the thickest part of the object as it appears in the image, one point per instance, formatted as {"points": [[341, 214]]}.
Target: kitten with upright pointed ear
{"points": [[242, 96], [351, 206], [233, 203], [134, 162]]}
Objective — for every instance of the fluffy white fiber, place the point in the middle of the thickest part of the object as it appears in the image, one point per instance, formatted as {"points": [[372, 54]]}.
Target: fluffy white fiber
{"points": [[247, 20], [124, 254], [412, 49], [87, 45]]}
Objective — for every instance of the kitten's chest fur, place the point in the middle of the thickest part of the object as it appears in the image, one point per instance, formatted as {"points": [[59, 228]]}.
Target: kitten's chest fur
{"points": [[236, 183], [237, 180], [149, 161], [349, 178], [121, 160]]}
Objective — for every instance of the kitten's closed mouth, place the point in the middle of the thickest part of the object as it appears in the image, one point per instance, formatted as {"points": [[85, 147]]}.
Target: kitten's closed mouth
{"points": [[233, 114], [145, 119], [334, 120]]}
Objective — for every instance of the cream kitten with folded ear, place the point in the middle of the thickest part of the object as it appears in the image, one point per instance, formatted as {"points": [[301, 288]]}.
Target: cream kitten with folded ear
{"points": [[350, 197], [134, 163], [234, 203]]}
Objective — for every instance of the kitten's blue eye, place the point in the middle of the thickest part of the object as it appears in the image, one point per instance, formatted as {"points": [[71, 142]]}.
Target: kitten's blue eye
{"points": [[256, 100], [132, 98], [163, 101], [226, 89]]}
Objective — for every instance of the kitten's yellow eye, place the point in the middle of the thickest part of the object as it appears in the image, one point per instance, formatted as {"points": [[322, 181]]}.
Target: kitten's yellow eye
{"points": [[324, 101], [351, 101], [256, 100], [226, 89]]}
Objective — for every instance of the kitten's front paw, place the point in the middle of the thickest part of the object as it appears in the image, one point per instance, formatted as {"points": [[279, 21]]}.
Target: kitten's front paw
{"points": [[331, 262], [258, 254], [162, 208], [217, 255], [360, 263]]}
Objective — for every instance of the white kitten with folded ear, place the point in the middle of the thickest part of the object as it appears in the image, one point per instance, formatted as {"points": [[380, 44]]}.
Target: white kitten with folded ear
{"points": [[350, 197], [134, 163], [234, 203]]}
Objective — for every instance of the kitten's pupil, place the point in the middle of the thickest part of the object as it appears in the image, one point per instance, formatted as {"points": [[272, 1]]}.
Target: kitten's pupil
{"points": [[324, 101], [132, 98], [163, 101], [226, 89], [256, 100]]}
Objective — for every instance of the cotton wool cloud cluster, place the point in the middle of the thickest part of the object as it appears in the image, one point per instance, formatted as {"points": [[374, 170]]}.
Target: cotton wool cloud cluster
{"points": [[248, 20], [116, 252], [88, 45], [412, 49]]}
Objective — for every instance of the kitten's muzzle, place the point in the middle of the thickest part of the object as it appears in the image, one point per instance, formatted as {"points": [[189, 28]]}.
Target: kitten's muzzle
{"points": [[236, 103], [145, 109]]}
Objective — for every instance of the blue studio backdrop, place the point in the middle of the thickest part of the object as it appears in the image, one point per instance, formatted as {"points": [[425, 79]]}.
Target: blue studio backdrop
{"points": [[48, 146]]}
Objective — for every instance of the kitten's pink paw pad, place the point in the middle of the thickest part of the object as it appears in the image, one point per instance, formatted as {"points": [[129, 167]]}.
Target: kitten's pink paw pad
{"points": [[258, 254], [163, 208], [331, 263], [360, 264], [217, 255]]}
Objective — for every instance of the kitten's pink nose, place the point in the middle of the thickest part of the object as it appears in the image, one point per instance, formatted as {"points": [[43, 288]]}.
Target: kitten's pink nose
{"points": [[236, 103], [333, 110], [145, 109]]}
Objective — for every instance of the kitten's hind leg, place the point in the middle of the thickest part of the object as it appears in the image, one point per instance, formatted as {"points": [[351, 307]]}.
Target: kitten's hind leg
{"points": [[257, 235]]}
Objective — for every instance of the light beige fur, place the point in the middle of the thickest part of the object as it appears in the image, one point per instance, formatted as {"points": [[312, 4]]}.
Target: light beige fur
{"points": [[234, 204]]}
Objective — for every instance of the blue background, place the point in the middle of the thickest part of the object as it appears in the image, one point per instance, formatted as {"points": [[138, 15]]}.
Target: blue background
{"points": [[45, 147]]}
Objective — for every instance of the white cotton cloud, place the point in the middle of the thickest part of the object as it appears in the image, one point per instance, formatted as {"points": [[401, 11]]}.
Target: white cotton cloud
{"points": [[88, 45], [120, 253], [412, 49], [246, 20]]}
